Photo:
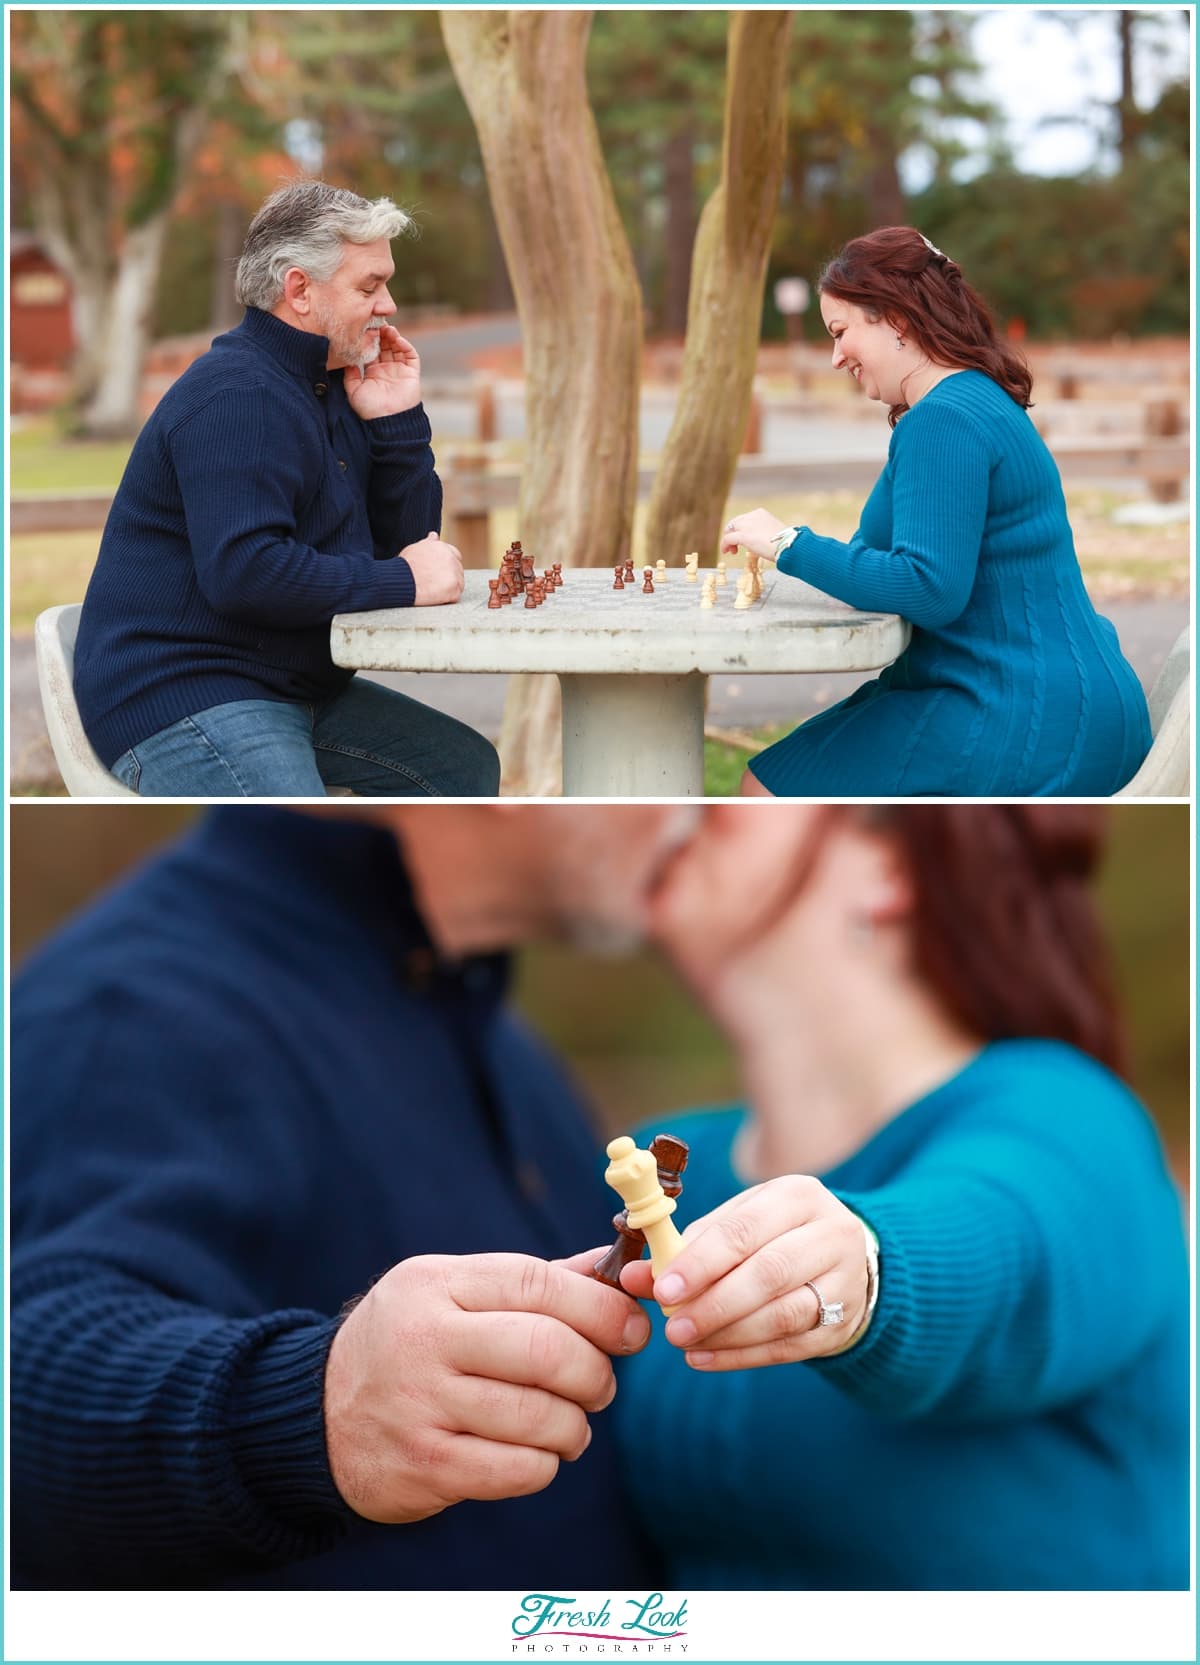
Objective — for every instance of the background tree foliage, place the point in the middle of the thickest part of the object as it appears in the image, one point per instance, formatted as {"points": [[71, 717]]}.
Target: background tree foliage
{"points": [[123, 120]]}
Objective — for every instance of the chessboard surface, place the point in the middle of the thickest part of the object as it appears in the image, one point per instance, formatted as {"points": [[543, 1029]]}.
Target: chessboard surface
{"points": [[587, 627]]}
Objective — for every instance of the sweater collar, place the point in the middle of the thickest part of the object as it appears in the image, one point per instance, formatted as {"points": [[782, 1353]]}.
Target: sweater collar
{"points": [[355, 871], [296, 350]]}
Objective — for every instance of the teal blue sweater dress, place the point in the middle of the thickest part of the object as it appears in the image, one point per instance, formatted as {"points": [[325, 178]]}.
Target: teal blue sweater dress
{"points": [[1012, 685], [1016, 1416]]}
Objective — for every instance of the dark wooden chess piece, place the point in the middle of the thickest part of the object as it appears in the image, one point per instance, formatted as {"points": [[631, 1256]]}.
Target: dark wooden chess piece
{"points": [[647, 583], [671, 1154]]}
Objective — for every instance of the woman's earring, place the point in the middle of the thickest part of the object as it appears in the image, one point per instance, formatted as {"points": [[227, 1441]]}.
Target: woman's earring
{"points": [[899, 343]]}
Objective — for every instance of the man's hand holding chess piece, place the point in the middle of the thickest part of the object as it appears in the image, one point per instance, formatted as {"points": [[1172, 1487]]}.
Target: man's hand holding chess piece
{"points": [[470, 1376]]}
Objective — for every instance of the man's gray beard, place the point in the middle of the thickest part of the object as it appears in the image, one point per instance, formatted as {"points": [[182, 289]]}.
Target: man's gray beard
{"points": [[610, 939], [372, 353]]}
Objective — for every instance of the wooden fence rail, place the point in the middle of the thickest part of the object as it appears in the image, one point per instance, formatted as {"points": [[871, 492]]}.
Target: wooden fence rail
{"points": [[474, 488]]}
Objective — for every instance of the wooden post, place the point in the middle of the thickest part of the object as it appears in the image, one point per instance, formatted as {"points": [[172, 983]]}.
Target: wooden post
{"points": [[1163, 421], [485, 412], [752, 444], [464, 518]]}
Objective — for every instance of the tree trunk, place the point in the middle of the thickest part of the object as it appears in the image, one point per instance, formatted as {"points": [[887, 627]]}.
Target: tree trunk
{"points": [[114, 409], [576, 290], [1127, 112], [725, 309], [679, 172], [885, 199], [225, 311]]}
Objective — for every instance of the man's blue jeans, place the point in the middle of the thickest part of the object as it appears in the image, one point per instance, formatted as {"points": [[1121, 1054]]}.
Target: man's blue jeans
{"points": [[371, 740]]}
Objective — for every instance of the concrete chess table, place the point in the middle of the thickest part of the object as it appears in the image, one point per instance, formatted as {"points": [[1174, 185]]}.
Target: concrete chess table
{"points": [[632, 667]]}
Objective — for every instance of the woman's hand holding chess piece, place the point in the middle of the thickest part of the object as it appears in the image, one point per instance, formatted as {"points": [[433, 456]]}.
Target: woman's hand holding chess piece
{"points": [[777, 1274], [758, 531]]}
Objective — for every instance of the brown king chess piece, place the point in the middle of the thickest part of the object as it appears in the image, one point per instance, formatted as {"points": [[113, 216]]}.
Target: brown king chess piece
{"points": [[671, 1154]]}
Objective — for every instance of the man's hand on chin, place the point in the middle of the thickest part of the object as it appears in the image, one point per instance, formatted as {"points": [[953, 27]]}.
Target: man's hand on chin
{"points": [[392, 383]]}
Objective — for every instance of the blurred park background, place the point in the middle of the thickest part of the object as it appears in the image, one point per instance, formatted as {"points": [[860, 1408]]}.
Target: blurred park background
{"points": [[634, 1041], [1047, 149]]}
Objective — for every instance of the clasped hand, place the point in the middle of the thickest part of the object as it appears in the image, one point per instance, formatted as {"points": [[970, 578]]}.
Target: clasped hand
{"points": [[740, 1285]]}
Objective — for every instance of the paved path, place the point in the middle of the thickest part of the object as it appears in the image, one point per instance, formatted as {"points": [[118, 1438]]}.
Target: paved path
{"points": [[1147, 630]]}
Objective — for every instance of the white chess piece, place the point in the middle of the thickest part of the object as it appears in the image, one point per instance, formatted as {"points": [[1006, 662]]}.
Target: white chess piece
{"points": [[660, 572], [693, 561], [708, 595], [633, 1175], [745, 597], [721, 574]]}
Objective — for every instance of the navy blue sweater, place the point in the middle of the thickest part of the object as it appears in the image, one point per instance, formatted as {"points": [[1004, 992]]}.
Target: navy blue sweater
{"points": [[242, 1089], [255, 506]]}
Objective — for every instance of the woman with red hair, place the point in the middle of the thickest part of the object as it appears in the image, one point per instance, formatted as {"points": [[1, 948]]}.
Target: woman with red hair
{"points": [[940, 1210], [1012, 684]]}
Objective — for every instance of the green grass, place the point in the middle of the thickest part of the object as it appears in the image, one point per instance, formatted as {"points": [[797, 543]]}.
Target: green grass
{"points": [[41, 459], [48, 568], [725, 760]]}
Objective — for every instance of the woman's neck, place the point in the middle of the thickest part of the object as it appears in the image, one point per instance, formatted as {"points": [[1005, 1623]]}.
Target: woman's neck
{"points": [[819, 1091]]}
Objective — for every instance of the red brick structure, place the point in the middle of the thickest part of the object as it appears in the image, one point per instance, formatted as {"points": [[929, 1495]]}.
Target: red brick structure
{"points": [[41, 337]]}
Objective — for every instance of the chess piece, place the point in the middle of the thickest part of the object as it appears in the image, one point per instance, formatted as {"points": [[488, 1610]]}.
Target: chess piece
{"points": [[671, 1154], [530, 597], [629, 571], [693, 562], [618, 581], [647, 582], [558, 577], [708, 595], [661, 571], [494, 600], [744, 597], [633, 1175], [722, 576]]}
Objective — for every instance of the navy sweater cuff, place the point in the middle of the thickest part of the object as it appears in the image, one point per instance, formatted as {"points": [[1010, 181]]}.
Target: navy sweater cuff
{"points": [[397, 585], [277, 1431], [406, 427]]}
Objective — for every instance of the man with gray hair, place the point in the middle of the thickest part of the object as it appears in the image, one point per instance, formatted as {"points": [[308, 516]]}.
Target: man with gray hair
{"points": [[285, 477]]}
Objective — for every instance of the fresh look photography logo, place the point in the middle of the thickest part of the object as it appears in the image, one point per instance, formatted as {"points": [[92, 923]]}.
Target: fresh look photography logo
{"points": [[628, 1626]]}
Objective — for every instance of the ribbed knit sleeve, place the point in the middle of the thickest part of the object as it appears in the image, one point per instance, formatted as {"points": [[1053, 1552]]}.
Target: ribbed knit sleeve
{"points": [[243, 470], [154, 1442], [404, 500], [1025, 1257], [940, 465]]}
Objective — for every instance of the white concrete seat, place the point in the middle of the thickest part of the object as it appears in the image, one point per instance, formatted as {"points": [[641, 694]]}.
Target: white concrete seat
{"points": [[54, 646], [1167, 771]]}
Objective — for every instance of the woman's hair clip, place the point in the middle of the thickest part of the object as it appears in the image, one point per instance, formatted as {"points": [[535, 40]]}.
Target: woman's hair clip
{"points": [[932, 247]]}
